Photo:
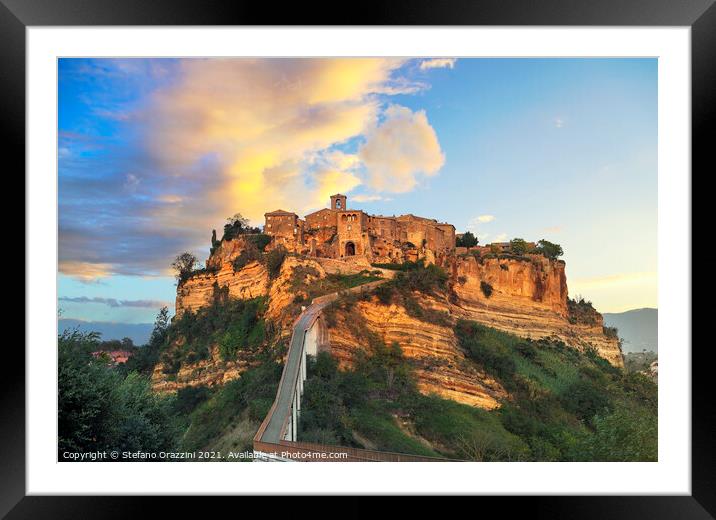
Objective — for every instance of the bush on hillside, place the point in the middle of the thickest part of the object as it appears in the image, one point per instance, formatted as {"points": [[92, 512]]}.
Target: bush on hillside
{"points": [[484, 349], [274, 261]]}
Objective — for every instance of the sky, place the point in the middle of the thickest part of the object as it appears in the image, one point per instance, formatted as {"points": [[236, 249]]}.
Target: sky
{"points": [[155, 153]]}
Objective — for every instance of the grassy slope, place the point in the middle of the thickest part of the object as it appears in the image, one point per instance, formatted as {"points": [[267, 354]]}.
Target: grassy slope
{"points": [[564, 405]]}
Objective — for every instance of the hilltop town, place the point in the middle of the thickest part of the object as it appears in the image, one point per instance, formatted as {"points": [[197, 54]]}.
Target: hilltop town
{"points": [[339, 232], [518, 287]]}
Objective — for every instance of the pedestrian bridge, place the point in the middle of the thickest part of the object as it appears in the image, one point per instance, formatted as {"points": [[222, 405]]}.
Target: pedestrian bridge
{"points": [[276, 438]]}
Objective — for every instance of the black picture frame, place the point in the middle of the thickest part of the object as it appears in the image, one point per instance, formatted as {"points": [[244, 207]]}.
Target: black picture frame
{"points": [[700, 15]]}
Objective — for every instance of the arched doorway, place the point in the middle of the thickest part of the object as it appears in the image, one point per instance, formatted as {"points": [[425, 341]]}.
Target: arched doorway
{"points": [[350, 249]]}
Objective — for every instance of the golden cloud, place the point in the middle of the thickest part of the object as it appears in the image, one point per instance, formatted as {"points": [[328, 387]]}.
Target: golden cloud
{"points": [[85, 271], [271, 127]]}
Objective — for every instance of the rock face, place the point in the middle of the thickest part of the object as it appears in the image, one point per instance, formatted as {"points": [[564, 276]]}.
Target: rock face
{"points": [[199, 291], [282, 310], [535, 282], [440, 367], [528, 299], [209, 372], [526, 296]]}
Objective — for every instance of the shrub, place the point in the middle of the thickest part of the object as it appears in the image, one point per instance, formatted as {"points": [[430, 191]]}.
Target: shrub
{"points": [[249, 254], [423, 279], [233, 324], [274, 261], [486, 289], [485, 349], [582, 312], [405, 266], [549, 250], [629, 433], [385, 293], [466, 240], [527, 350], [518, 246], [611, 332], [585, 399], [260, 240], [188, 398]]}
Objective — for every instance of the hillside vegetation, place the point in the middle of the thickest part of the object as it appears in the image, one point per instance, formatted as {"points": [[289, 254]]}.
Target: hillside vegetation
{"points": [[564, 405]]}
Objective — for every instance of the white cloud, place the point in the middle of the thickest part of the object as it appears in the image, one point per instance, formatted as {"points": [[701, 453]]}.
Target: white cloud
{"points": [[559, 122], [400, 149], [367, 198], [438, 63], [475, 222]]}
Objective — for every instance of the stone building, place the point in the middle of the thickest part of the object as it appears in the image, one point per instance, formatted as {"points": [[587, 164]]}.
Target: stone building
{"points": [[285, 227], [340, 232]]}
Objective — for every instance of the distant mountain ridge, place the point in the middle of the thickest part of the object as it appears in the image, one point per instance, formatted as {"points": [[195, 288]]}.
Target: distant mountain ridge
{"points": [[638, 328], [138, 332]]}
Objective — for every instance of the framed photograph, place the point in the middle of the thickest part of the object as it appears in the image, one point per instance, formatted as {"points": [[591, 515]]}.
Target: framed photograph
{"points": [[439, 238]]}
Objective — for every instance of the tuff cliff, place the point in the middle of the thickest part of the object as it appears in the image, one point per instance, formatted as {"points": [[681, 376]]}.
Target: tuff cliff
{"points": [[525, 295], [440, 366], [200, 290]]}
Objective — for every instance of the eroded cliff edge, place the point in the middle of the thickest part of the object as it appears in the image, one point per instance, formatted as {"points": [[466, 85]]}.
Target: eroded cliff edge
{"points": [[525, 295]]}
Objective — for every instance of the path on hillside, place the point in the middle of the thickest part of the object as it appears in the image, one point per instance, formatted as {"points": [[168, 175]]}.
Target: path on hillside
{"points": [[273, 431]]}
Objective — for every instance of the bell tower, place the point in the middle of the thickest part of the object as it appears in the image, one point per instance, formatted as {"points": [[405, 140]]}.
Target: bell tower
{"points": [[338, 202]]}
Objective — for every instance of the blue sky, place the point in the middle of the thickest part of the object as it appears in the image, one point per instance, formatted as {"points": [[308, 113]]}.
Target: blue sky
{"points": [[153, 154]]}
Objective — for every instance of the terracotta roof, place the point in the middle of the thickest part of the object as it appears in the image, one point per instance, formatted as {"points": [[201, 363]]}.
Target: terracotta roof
{"points": [[280, 212], [321, 210]]}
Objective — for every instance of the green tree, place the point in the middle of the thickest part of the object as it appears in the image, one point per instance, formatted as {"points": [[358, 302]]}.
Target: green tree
{"points": [[467, 240], [237, 225], [161, 326], [146, 357], [518, 246], [214, 242], [100, 409], [549, 249], [184, 265], [629, 433]]}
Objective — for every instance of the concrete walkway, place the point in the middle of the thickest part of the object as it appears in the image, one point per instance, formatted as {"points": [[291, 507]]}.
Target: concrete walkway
{"points": [[277, 417]]}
